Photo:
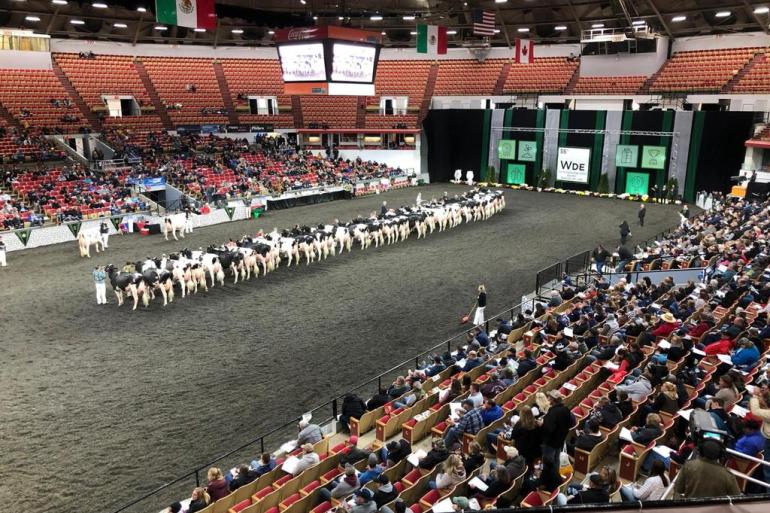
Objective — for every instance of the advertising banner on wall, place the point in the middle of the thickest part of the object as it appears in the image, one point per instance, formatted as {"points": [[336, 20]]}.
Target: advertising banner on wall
{"points": [[527, 151], [506, 149], [654, 157], [572, 164], [626, 155]]}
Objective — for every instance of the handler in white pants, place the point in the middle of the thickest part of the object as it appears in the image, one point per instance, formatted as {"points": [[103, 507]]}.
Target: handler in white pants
{"points": [[100, 278], [188, 221], [481, 304], [104, 233], [3, 263]]}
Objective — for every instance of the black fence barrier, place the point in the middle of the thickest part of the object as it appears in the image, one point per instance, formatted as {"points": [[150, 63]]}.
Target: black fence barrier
{"points": [[547, 275]]}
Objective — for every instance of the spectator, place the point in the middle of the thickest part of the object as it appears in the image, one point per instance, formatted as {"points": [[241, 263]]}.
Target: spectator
{"points": [[398, 388], [353, 407], [342, 486], [217, 486], [364, 502], [704, 476], [243, 477], [265, 464], [588, 438], [452, 473], [475, 458], [491, 412], [759, 405], [373, 470], [309, 433], [752, 442], [596, 493], [398, 450], [354, 454], [385, 492], [306, 460], [514, 462], [652, 489], [436, 455], [470, 422], [198, 500], [555, 427]]}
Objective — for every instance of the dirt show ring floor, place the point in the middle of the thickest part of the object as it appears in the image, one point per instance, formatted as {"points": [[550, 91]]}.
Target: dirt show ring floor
{"points": [[101, 404]]}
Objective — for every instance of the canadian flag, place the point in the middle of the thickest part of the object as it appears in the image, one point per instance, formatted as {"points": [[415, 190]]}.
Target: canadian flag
{"points": [[525, 51]]}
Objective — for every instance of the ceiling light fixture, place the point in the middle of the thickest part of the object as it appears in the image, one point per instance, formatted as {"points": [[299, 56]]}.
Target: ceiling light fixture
{"points": [[597, 25], [408, 17], [560, 27], [451, 32], [160, 28], [376, 17], [761, 10], [99, 5], [237, 31], [120, 25], [501, 1], [522, 29], [32, 18], [77, 22], [271, 32], [59, 2], [638, 23], [141, 9], [497, 31], [677, 19], [200, 30], [722, 14], [413, 33]]}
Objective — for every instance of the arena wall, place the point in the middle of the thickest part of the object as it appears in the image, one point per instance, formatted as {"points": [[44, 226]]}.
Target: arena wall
{"points": [[622, 64]]}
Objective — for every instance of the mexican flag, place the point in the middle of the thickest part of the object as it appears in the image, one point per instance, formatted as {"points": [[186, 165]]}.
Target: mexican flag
{"points": [[431, 39], [186, 13]]}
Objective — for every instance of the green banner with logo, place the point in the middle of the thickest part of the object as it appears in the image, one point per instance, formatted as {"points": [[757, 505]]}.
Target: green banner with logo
{"points": [[527, 151], [626, 155], [24, 235], [516, 174], [116, 222], [230, 211], [637, 183], [506, 149], [653, 157], [74, 228]]}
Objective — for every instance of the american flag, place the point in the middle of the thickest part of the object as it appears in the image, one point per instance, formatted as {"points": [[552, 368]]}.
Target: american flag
{"points": [[483, 22]]}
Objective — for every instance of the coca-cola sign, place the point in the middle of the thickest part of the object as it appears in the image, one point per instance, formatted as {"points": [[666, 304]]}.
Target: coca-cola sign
{"points": [[299, 34]]}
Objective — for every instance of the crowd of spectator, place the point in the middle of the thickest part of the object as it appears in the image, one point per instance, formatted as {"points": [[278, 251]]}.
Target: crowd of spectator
{"points": [[637, 356], [18, 145]]}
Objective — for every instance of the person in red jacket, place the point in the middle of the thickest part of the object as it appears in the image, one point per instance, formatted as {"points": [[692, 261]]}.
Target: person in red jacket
{"points": [[721, 346], [668, 323]]}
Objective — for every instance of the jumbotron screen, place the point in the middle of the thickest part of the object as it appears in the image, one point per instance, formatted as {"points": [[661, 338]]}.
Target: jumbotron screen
{"points": [[353, 63], [303, 62], [328, 60]]}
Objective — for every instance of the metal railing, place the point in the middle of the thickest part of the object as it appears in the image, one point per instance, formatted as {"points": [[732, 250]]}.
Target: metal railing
{"points": [[330, 409]]}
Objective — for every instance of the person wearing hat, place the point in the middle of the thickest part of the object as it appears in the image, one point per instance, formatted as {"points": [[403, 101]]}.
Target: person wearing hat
{"points": [[436, 455], [514, 462], [385, 491], [396, 450], [705, 476], [306, 460], [667, 325], [364, 502], [354, 454], [596, 493]]}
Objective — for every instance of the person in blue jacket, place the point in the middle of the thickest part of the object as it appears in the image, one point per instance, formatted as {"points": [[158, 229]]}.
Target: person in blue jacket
{"points": [[491, 412], [752, 442], [746, 356]]}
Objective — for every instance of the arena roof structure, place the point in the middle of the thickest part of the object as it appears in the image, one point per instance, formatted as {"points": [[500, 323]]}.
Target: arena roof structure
{"points": [[250, 22]]}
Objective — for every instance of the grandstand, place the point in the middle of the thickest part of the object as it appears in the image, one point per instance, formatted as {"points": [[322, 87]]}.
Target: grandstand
{"points": [[627, 138]]}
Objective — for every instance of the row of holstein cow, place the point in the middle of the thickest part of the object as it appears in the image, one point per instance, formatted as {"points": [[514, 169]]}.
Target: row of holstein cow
{"points": [[254, 256]]}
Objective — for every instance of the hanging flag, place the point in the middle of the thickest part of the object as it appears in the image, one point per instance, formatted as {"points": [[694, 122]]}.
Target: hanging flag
{"points": [[525, 51], [24, 235], [483, 22], [431, 39], [230, 211], [186, 13], [74, 228]]}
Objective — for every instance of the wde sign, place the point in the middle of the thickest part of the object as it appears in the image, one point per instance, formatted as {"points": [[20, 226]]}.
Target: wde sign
{"points": [[572, 165]]}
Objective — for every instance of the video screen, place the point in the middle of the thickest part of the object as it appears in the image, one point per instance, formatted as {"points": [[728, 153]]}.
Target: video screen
{"points": [[353, 63], [303, 63]]}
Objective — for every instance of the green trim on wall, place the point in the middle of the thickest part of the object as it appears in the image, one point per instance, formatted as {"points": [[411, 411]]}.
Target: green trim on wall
{"points": [[620, 172], [661, 176], [486, 127], [539, 139], [597, 154], [563, 124], [507, 120], [692, 162]]}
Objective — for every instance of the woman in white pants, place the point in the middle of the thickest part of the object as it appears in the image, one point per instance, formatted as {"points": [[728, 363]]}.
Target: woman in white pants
{"points": [[481, 304], [100, 279]]}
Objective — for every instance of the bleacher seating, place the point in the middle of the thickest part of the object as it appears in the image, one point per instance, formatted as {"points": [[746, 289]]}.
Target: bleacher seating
{"points": [[757, 79], [256, 77], [609, 85], [33, 90], [543, 75], [172, 75], [390, 81], [467, 77], [701, 70], [334, 111]]}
